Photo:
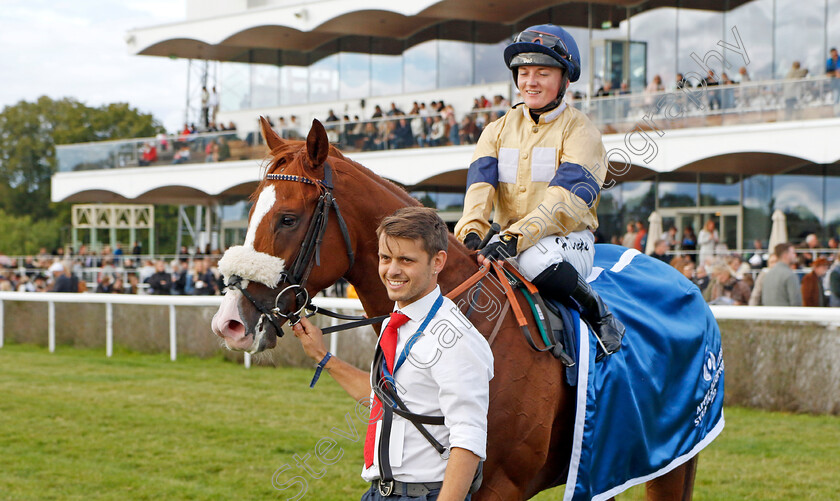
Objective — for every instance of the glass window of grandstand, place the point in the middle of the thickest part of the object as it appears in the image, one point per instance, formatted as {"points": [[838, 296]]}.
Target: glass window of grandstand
{"points": [[610, 219], [607, 51], [677, 189], [722, 193], [386, 67], [758, 209], [699, 31], [751, 26], [442, 201], [265, 86], [420, 63], [455, 64], [832, 203], [639, 200], [800, 36], [294, 85], [235, 93], [455, 54], [718, 189], [657, 29], [354, 75], [800, 195], [490, 43], [580, 88], [323, 79], [833, 34]]}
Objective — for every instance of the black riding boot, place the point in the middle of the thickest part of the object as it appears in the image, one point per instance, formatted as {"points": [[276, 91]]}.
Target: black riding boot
{"points": [[562, 282]]}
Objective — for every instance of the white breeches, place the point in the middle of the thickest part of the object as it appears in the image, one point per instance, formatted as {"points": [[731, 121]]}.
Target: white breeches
{"points": [[576, 248]]}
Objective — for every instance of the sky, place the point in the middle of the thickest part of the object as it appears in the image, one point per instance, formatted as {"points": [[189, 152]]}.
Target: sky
{"points": [[77, 49]]}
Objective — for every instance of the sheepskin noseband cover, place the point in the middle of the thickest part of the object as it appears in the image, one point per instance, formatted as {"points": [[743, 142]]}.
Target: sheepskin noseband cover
{"points": [[245, 262]]}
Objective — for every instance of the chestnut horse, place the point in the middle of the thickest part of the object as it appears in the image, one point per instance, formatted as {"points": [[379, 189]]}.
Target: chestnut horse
{"points": [[532, 409]]}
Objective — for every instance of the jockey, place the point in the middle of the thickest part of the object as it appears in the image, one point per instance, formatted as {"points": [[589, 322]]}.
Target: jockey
{"points": [[541, 167]]}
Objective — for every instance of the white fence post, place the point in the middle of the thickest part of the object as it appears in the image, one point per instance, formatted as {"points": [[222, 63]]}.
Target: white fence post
{"points": [[247, 360], [51, 315], [173, 349], [1, 323], [334, 338], [109, 329]]}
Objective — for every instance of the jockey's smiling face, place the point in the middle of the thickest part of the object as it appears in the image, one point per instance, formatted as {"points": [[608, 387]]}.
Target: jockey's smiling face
{"points": [[407, 270], [539, 85]]}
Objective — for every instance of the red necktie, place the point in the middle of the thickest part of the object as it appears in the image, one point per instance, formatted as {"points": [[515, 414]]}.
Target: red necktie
{"points": [[388, 342]]}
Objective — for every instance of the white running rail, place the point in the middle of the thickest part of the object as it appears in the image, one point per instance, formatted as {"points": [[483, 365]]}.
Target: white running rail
{"points": [[109, 300], [776, 314]]}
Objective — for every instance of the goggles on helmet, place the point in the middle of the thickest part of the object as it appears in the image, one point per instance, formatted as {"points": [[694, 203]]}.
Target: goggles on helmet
{"points": [[552, 42]]}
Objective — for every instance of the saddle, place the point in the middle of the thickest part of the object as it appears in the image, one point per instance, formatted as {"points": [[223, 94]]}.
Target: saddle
{"points": [[555, 323]]}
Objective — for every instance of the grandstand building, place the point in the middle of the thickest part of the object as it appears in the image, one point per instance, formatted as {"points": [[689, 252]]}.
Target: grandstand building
{"points": [[753, 137]]}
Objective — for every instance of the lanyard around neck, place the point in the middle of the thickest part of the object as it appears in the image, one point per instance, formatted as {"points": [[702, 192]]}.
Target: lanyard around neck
{"points": [[413, 339]]}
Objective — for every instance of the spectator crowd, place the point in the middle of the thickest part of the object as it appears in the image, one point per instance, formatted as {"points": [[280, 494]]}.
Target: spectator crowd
{"points": [[423, 126], [437, 124], [112, 272], [790, 275], [807, 274]]}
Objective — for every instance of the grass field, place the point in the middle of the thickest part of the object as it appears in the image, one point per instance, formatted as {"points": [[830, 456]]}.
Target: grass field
{"points": [[77, 425]]}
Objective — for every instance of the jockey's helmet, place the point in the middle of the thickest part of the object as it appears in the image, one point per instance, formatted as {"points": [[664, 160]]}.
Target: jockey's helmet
{"points": [[544, 45]]}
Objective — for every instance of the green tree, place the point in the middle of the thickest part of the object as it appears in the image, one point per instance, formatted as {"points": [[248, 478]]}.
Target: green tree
{"points": [[21, 235], [29, 132]]}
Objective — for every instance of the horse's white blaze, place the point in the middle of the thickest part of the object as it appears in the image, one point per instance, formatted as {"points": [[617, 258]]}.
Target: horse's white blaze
{"points": [[243, 260], [264, 204]]}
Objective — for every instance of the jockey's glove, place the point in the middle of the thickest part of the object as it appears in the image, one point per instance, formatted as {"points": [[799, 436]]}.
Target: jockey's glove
{"points": [[472, 241], [503, 248]]}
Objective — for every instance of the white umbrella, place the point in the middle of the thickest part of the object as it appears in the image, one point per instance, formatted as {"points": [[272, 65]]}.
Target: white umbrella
{"points": [[778, 232], [654, 232]]}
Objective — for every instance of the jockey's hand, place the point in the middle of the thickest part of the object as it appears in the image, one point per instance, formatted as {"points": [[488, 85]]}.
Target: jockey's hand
{"points": [[311, 339], [472, 241], [503, 248]]}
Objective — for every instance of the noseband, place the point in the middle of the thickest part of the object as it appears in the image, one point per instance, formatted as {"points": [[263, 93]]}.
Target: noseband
{"points": [[308, 256]]}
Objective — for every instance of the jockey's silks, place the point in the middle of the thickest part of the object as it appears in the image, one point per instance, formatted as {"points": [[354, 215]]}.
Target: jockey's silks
{"points": [[542, 178]]}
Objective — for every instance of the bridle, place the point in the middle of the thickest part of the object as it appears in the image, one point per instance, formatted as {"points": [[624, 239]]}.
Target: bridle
{"points": [[307, 257]]}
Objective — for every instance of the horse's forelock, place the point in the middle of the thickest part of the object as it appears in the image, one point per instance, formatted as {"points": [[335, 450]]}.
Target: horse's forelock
{"points": [[282, 155]]}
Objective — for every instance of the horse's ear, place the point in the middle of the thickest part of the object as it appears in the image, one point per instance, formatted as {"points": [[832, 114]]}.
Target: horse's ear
{"points": [[271, 138], [317, 144]]}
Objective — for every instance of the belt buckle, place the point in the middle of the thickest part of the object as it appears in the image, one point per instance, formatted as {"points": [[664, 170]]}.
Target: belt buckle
{"points": [[385, 488]]}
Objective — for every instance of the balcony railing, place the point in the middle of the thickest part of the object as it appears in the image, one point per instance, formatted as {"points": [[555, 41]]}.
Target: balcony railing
{"points": [[161, 150], [747, 103], [753, 102]]}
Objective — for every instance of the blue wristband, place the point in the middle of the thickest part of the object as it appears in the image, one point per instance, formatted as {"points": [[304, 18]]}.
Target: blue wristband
{"points": [[320, 367]]}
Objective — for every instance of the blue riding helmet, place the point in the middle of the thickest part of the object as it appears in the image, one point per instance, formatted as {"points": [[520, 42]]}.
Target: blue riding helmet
{"points": [[544, 45]]}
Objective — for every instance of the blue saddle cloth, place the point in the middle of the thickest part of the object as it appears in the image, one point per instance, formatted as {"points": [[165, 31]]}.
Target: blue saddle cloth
{"points": [[658, 401]]}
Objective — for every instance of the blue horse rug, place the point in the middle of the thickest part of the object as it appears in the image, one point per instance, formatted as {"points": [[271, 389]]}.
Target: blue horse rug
{"points": [[658, 401]]}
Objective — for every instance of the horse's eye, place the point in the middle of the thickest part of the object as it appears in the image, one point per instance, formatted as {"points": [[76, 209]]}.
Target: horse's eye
{"points": [[288, 220]]}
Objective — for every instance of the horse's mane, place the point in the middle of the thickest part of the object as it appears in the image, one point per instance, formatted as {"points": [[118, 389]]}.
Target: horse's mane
{"points": [[385, 183], [290, 149]]}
